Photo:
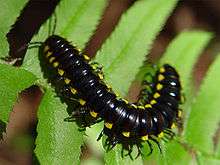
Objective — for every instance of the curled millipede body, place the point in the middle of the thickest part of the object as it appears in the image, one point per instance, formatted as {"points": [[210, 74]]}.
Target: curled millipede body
{"points": [[124, 122]]}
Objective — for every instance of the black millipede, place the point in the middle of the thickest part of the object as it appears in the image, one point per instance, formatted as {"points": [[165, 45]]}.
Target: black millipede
{"points": [[125, 123]]}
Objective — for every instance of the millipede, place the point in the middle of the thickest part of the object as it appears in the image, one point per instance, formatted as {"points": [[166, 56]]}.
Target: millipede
{"points": [[130, 124]]}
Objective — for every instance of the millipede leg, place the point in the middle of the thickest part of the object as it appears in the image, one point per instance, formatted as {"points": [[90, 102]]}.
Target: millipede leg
{"points": [[139, 151], [158, 144], [100, 135], [151, 148], [79, 113], [169, 134], [143, 97], [130, 151], [97, 68], [122, 152], [10, 60], [113, 143], [81, 116]]}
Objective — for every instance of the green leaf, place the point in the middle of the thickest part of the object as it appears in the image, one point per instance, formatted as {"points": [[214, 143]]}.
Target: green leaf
{"points": [[113, 157], [91, 138], [175, 154], [80, 22], [152, 158], [182, 53], [13, 81], [204, 160], [217, 152], [124, 52], [58, 142], [9, 12], [76, 20], [204, 117], [131, 40], [92, 161], [172, 153]]}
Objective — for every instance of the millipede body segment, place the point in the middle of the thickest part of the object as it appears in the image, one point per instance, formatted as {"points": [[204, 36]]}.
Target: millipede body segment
{"points": [[125, 123]]}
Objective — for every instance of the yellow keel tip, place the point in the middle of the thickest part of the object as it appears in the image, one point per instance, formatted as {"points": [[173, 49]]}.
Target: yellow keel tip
{"points": [[126, 134], [156, 95], [82, 102], [159, 86], [144, 138], [48, 54], [161, 135], [93, 114], [46, 48], [135, 106], [162, 70], [73, 90], [51, 59], [179, 113], [126, 101], [60, 72], [141, 107], [108, 125], [173, 126], [55, 64], [67, 81], [160, 77], [86, 57], [148, 106], [101, 76], [153, 102]]}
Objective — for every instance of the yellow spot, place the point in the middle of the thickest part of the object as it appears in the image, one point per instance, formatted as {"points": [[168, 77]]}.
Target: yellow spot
{"points": [[100, 76], [179, 113], [60, 72], [141, 107], [55, 64], [156, 95], [108, 86], [161, 135], [160, 77], [94, 67], [144, 137], [74, 91], [159, 86], [148, 106], [126, 101], [79, 49], [126, 134], [67, 81], [86, 57], [182, 99], [116, 94], [48, 54], [93, 114], [162, 70], [51, 59], [108, 125], [153, 102], [46, 48], [173, 126], [82, 102], [133, 105]]}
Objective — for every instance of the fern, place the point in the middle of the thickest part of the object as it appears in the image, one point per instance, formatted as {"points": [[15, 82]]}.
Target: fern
{"points": [[122, 55]]}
